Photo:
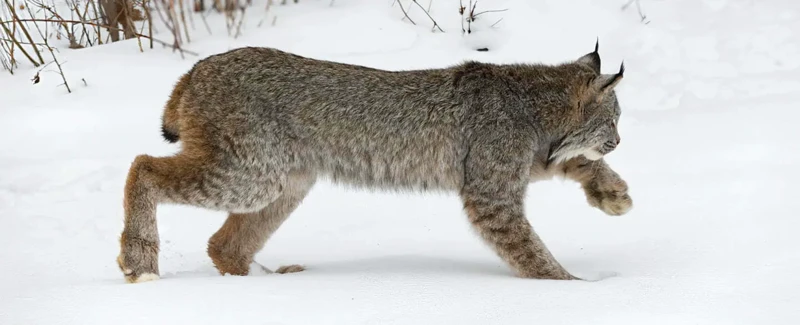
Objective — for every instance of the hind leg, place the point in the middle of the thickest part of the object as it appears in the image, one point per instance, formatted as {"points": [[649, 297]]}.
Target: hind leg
{"points": [[182, 179], [234, 245]]}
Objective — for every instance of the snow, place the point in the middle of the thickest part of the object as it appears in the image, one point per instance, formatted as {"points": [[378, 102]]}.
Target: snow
{"points": [[710, 104]]}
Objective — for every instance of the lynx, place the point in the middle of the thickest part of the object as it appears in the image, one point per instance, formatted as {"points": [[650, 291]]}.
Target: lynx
{"points": [[259, 126]]}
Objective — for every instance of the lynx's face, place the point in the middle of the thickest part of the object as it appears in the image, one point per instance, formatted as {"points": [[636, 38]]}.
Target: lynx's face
{"points": [[593, 133], [598, 136]]}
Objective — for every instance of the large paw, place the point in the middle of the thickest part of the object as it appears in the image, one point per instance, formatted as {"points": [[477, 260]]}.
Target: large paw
{"points": [[138, 260], [544, 268], [559, 275], [610, 197], [230, 262]]}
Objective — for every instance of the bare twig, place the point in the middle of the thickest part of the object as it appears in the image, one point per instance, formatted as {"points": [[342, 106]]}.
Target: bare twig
{"points": [[14, 32], [191, 19], [82, 17], [176, 24], [435, 24], [266, 12], [404, 11], [58, 64], [15, 18], [461, 10], [472, 15], [172, 25], [486, 11], [5, 58], [183, 19], [17, 43], [642, 16], [205, 22], [241, 20], [497, 22], [73, 42], [149, 21], [97, 15], [128, 10], [114, 28], [11, 41]]}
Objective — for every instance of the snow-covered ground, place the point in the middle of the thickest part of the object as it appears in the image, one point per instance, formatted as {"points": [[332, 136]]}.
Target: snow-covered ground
{"points": [[709, 148]]}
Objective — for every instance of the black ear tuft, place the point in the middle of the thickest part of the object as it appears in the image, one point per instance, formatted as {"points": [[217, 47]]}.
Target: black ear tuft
{"points": [[610, 81], [592, 59], [597, 45], [601, 85]]}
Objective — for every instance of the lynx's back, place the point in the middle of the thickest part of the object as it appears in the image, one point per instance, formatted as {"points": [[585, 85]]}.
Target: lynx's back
{"points": [[357, 125]]}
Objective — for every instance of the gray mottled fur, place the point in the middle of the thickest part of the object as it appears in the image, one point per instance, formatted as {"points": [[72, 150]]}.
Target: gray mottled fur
{"points": [[254, 122]]}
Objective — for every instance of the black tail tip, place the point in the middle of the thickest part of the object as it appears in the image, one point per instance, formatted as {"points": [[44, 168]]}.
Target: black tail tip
{"points": [[169, 136]]}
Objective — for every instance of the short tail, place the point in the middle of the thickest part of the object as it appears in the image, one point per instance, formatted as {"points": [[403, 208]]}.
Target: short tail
{"points": [[169, 121]]}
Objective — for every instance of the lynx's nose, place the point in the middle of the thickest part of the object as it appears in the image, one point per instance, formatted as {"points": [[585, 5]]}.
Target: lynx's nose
{"points": [[617, 139]]}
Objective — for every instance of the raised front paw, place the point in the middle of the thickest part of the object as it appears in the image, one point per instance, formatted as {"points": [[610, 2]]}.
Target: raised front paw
{"points": [[610, 197]]}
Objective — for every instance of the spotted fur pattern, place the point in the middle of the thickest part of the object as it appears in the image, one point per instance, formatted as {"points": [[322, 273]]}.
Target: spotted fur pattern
{"points": [[258, 126]]}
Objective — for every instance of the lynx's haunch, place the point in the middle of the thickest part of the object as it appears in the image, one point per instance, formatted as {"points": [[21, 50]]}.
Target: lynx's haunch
{"points": [[258, 126]]}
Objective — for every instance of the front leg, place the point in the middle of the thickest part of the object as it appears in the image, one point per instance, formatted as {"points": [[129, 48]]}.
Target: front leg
{"points": [[501, 223], [493, 195], [604, 188]]}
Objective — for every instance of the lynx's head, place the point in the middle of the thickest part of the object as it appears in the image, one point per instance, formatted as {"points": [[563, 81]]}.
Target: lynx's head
{"points": [[593, 131]]}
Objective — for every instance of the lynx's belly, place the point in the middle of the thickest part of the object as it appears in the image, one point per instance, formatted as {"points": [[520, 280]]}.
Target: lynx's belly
{"points": [[421, 161]]}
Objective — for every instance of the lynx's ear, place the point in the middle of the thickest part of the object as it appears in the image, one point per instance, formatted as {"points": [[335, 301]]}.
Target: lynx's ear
{"points": [[592, 59], [600, 86]]}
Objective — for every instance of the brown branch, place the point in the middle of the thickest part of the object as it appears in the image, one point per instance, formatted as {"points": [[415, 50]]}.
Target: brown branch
{"points": [[183, 19], [14, 32], [14, 17], [170, 22], [6, 58], [97, 15], [73, 43], [14, 42], [129, 25], [115, 28], [471, 15], [82, 18], [161, 16], [169, 8], [461, 9], [58, 64], [176, 24], [191, 19], [205, 22], [10, 34], [149, 22]]}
